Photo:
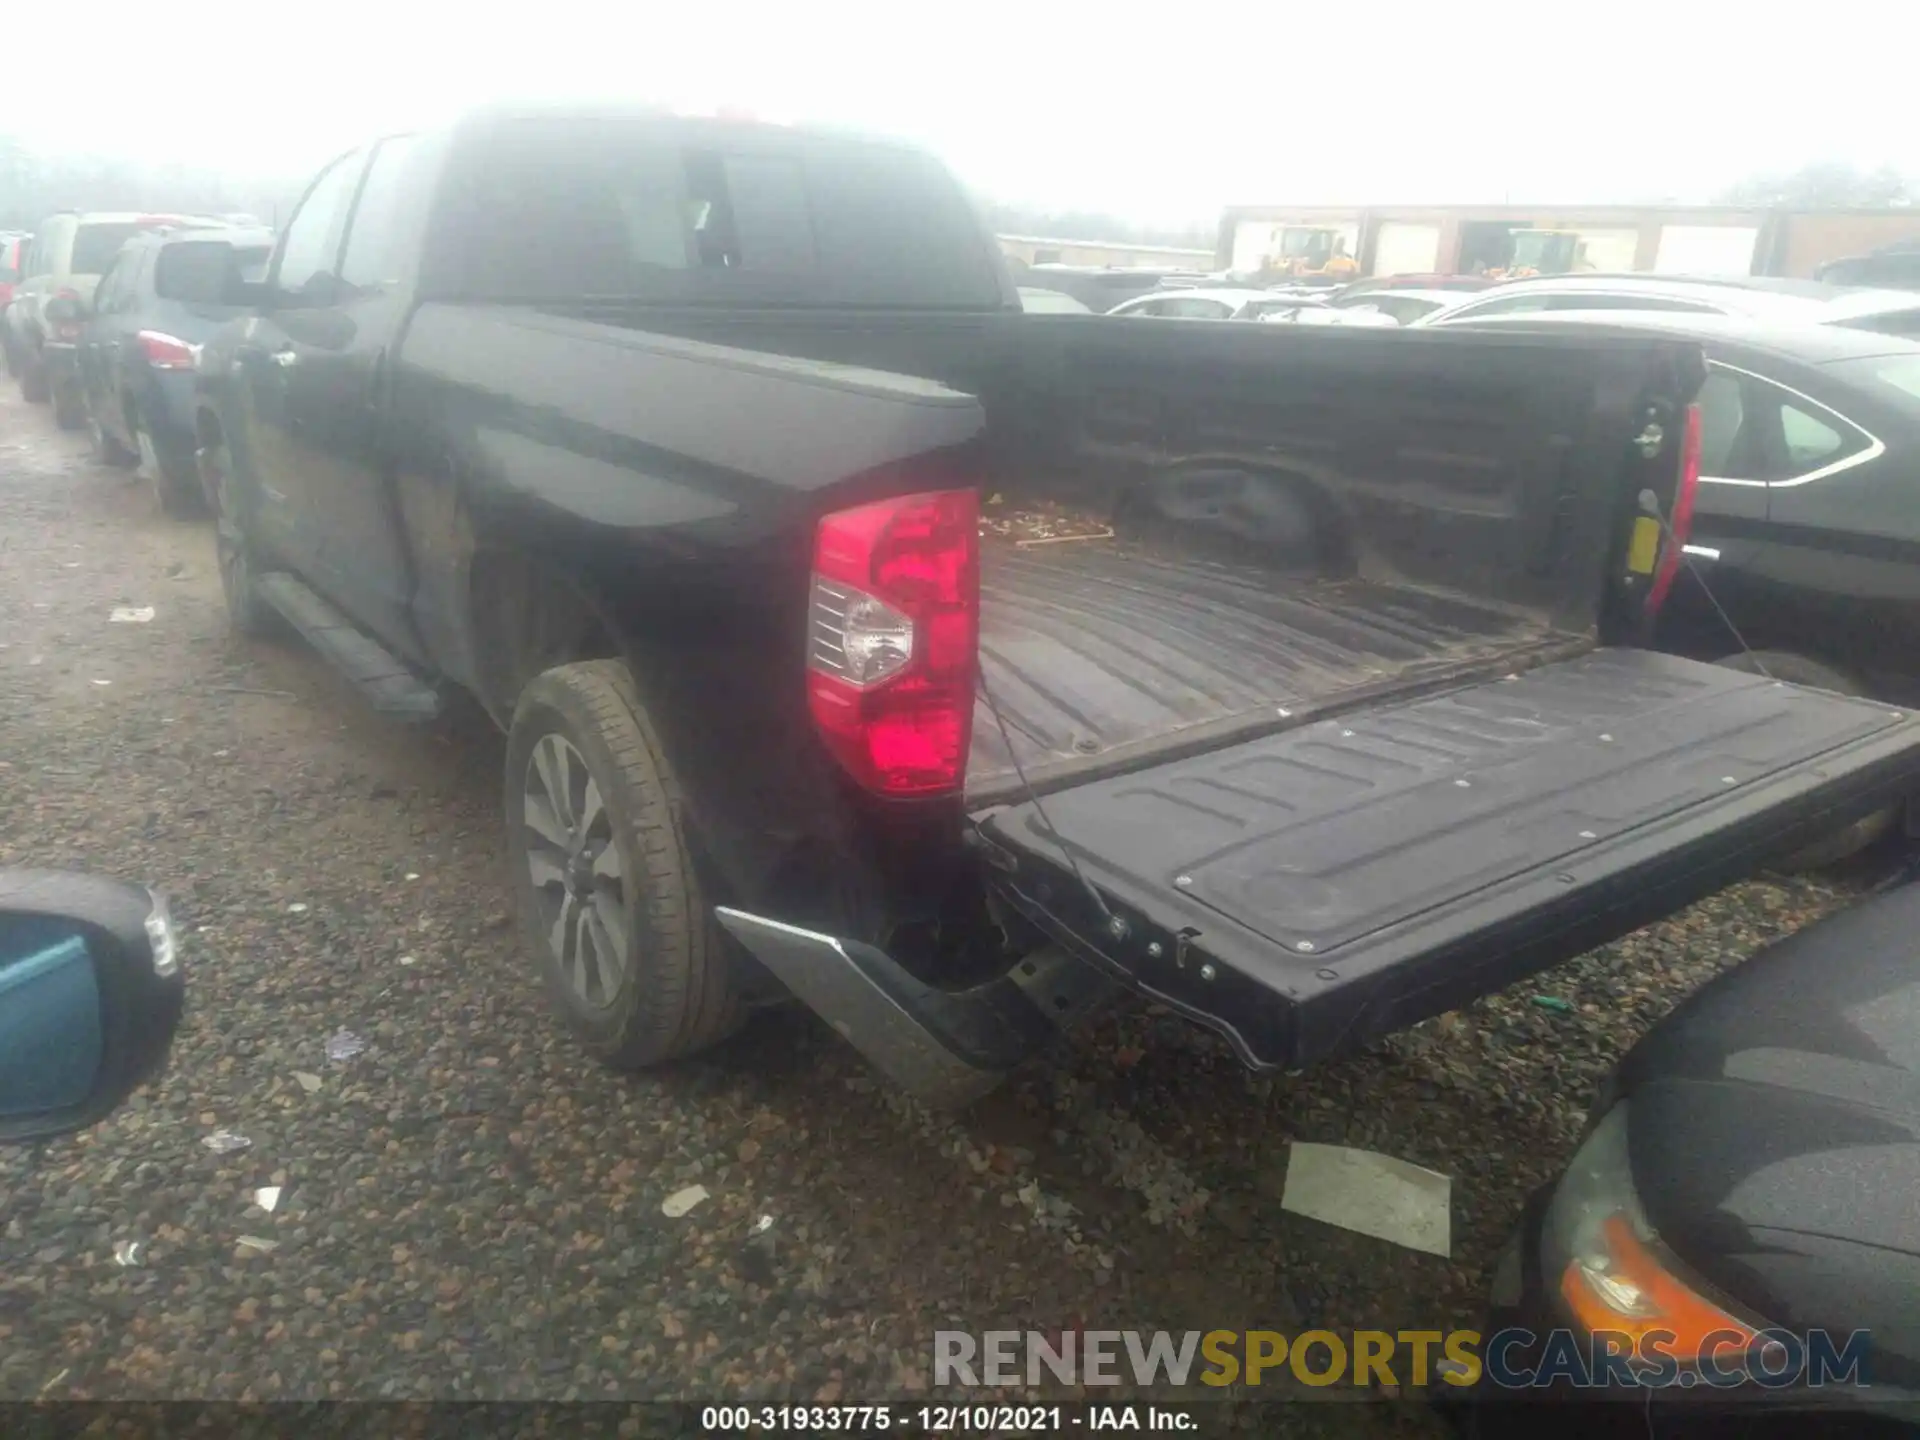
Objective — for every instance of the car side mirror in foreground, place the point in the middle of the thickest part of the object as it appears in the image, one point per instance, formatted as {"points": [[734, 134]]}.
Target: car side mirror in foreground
{"points": [[90, 995]]}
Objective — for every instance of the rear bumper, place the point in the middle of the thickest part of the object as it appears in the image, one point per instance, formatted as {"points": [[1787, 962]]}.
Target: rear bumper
{"points": [[946, 1047], [1306, 893]]}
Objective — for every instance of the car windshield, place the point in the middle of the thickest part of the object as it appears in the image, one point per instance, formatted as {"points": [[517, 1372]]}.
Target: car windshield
{"points": [[94, 246]]}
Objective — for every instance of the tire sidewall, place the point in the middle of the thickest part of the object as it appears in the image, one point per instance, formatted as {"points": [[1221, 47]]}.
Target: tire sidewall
{"points": [[548, 708]]}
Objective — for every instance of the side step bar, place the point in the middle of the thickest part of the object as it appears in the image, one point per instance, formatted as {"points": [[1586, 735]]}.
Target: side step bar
{"points": [[944, 1047], [390, 687]]}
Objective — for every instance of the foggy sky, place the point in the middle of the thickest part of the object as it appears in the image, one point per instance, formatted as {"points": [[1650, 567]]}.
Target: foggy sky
{"points": [[1156, 112]]}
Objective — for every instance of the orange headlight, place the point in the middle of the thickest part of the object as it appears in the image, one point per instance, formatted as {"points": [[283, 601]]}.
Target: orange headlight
{"points": [[1620, 1286]]}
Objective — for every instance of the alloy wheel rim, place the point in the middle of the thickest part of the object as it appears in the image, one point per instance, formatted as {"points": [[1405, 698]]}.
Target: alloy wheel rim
{"points": [[574, 864]]}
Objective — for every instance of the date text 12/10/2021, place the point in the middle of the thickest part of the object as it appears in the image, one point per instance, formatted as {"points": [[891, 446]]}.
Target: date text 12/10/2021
{"points": [[946, 1419]]}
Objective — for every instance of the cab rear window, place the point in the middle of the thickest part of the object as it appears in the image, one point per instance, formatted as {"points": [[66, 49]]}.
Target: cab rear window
{"points": [[549, 209]]}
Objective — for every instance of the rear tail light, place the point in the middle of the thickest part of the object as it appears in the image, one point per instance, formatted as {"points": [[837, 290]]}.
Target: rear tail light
{"points": [[6, 292], [165, 352], [893, 638], [1680, 525], [66, 326]]}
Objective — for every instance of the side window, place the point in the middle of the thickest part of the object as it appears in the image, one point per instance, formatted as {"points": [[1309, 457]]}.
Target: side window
{"points": [[115, 289], [312, 239], [1723, 416], [1810, 442], [1752, 429], [382, 229], [1193, 309]]}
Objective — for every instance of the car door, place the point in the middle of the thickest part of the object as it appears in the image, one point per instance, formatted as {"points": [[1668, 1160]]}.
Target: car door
{"points": [[1767, 532], [273, 446], [340, 389], [118, 357], [94, 356]]}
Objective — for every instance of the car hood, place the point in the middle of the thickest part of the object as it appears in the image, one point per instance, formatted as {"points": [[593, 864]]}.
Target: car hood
{"points": [[1775, 1123]]}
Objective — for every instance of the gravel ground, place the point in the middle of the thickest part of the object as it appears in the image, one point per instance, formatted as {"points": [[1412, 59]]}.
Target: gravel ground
{"points": [[469, 1210]]}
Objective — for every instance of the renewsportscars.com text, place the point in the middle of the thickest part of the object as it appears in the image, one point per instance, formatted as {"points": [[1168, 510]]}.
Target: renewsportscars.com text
{"points": [[1514, 1359]]}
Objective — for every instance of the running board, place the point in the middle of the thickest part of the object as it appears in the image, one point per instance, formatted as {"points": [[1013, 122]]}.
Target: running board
{"points": [[389, 686]]}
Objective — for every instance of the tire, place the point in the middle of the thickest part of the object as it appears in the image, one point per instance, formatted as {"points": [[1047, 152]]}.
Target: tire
{"points": [[1797, 669], [69, 407], [666, 988], [33, 381], [248, 614], [175, 477], [107, 450]]}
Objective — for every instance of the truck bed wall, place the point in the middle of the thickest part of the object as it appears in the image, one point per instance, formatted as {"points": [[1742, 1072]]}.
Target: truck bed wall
{"points": [[1492, 473], [677, 486]]}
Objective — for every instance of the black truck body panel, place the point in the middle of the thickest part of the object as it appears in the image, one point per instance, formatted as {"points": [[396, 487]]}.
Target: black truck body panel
{"points": [[556, 433], [1313, 890]]}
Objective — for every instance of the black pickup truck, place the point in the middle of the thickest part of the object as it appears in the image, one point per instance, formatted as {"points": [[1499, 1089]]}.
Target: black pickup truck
{"points": [[862, 638]]}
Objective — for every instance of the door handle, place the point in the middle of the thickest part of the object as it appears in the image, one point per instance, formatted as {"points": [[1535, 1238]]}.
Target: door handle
{"points": [[286, 357]]}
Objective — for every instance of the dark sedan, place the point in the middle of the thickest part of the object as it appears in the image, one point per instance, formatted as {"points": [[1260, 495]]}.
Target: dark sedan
{"points": [[158, 301], [1804, 556], [1748, 1189]]}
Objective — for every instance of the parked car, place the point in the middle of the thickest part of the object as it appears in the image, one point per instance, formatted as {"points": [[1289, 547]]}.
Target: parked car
{"points": [[65, 260], [667, 440], [13, 248], [1892, 267], [1401, 305], [1807, 302], [1454, 285], [156, 304], [1351, 315], [1101, 287], [1202, 304], [1750, 1168], [1050, 302], [90, 994], [1804, 553]]}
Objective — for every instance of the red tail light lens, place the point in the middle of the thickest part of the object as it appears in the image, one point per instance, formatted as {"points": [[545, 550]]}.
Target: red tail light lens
{"points": [[1681, 524], [893, 640], [165, 352], [6, 292]]}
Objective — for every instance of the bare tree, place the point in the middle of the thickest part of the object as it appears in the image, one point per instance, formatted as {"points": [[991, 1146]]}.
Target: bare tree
{"points": [[34, 185], [1824, 185]]}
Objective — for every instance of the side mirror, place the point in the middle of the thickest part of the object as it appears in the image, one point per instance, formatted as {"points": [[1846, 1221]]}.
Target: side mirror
{"points": [[90, 995]]}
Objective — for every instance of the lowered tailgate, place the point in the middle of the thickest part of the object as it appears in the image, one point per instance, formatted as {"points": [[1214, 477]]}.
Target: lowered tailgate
{"points": [[1305, 892]]}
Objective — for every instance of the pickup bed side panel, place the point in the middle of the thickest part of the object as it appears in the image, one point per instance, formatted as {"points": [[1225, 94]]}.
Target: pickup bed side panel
{"points": [[1193, 527], [676, 485]]}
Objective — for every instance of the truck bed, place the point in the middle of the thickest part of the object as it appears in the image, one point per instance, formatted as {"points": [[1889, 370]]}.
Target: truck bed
{"points": [[1097, 654]]}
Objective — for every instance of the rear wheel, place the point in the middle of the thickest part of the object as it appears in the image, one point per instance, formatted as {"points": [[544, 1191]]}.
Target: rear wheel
{"points": [[33, 379], [107, 449], [1797, 669], [248, 613], [69, 406], [607, 896], [174, 476]]}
